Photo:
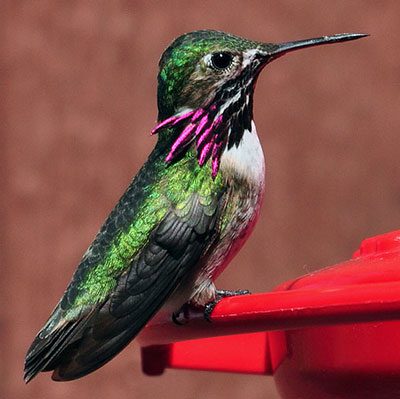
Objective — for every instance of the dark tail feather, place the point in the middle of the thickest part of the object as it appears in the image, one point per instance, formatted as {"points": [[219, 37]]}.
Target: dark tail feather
{"points": [[82, 346], [106, 336], [44, 351], [90, 355]]}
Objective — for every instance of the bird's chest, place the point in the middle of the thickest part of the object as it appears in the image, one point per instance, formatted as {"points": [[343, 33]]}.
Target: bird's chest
{"points": [[244, 170], [245, 162]]}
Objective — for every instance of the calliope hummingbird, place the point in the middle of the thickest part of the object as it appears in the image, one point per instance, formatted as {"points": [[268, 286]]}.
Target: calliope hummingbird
{"points": [[186, 213]]}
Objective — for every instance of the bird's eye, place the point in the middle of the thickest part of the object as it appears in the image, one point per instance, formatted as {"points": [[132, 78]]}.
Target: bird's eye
{"points": [[222, 60]]}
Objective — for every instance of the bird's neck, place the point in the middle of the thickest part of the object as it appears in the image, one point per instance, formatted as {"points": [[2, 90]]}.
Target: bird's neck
{"points": [[246, 160]]}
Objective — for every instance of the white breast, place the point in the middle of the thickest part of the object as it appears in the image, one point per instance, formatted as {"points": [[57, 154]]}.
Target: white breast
{"points": [[246, 160]]}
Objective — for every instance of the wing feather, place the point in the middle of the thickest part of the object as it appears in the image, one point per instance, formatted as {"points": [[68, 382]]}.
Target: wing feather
{"points": [[173, 250]]}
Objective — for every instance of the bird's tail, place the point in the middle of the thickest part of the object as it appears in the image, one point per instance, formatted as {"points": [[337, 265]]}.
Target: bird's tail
{"points": [[50, 343]]}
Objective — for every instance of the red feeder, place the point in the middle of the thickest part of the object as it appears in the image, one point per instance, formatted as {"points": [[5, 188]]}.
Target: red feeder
{"points": [[334, 333]]}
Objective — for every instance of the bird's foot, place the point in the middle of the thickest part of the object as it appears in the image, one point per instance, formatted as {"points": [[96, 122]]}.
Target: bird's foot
{"points": [[181, 316], [220, 294]]}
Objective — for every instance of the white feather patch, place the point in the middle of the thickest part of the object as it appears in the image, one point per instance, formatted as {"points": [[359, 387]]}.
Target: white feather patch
{"points": [[246, 160]]}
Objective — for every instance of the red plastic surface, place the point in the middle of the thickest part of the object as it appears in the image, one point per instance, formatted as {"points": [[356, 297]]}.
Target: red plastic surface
{"points": [[246, 354], [329, 334]]}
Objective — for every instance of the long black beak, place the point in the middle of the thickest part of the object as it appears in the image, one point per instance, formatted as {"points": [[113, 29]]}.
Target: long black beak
{"points": [[273, 51]]}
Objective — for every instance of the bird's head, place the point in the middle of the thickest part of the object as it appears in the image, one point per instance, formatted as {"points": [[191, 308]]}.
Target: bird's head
{"points": [[205, 89]]}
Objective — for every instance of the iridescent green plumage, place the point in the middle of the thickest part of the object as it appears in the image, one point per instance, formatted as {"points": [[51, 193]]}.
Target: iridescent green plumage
{"points": [[170, 189]]}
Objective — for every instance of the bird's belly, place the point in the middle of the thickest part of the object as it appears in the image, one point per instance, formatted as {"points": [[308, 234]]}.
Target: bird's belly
{"points": [[244, 170], [238, 223]]}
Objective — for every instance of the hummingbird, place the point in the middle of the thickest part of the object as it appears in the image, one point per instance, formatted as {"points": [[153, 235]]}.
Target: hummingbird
{"points": [[186, 213]]}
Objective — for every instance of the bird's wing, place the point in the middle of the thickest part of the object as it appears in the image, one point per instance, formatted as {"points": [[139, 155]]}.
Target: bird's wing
{"points": [[173, 249]]}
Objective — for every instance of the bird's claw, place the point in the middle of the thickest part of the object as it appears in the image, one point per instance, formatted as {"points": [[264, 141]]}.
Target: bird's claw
{"points": [[181, 316], [220, 294]]}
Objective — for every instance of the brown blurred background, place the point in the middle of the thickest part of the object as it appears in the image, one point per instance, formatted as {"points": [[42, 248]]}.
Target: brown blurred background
{"points": [[78, 100]]}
